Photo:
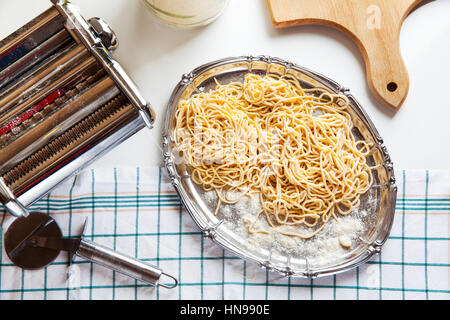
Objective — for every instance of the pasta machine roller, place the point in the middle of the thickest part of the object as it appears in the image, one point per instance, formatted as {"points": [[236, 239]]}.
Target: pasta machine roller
{"points": [[64, 102]]}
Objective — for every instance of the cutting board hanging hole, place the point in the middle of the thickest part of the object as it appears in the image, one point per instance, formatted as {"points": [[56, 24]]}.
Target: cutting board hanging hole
{"points": [[392, 86]]}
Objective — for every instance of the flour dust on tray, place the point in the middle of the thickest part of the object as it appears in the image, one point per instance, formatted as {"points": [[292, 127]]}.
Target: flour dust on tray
{"points": [[337, 238]]}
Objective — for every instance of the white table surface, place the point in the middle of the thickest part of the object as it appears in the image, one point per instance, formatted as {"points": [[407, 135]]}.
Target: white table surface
{"points": [[156, 56]]}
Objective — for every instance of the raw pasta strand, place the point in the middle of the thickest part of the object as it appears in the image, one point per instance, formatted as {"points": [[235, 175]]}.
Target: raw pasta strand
{"points": [[268, 136]]}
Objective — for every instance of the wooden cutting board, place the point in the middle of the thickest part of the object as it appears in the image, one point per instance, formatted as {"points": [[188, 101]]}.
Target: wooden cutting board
{"points": [[374, 25]]}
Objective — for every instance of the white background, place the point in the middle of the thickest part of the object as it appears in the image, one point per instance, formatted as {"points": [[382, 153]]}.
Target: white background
{"points": [[156, 56]]}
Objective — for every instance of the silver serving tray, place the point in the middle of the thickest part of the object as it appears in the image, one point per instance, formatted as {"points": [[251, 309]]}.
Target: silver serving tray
{"points": [[378, 203]]}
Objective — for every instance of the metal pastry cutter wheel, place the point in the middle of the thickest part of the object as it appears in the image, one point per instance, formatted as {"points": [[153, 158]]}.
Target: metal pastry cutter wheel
{"points": [[35, 241]]}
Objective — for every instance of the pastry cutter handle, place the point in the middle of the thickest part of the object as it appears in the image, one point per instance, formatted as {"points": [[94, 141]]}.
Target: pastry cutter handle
{"points": [[124, 264]]}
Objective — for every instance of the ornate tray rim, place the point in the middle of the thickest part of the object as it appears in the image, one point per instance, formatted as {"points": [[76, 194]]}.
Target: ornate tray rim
{"points": [[210, 232]]}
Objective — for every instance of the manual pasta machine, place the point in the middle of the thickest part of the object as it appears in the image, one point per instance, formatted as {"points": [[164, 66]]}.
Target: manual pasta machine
{"points": [[64, 102]]}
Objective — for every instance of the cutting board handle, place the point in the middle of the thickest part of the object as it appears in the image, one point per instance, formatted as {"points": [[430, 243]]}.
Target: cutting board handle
{"points": [[374, 25]]}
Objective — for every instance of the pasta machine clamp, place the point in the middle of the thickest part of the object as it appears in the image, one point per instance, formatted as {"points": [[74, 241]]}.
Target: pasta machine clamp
{"points": [[104, 32]]}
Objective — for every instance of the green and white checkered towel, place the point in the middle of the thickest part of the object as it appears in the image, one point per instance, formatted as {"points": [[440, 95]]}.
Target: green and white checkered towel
{"points": [[137, 212]]}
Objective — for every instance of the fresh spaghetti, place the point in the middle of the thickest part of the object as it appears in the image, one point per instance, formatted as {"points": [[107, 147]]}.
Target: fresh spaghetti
{"points": [[269, 136]]}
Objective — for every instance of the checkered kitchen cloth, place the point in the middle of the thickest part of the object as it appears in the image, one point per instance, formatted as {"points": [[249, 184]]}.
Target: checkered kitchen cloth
{"points": [[137, 212]]}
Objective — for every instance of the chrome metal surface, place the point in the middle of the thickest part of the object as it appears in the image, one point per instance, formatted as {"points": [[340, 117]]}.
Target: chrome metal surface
{"points": [[36, 55], [104, 32], [121, 263], [22, 236], [14, 206], [58, 96], [379, 201], [82, 31], [75, 166]]}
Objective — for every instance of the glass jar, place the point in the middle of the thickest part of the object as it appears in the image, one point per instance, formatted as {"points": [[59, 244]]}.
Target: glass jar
{"points": [[187, 13]]}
